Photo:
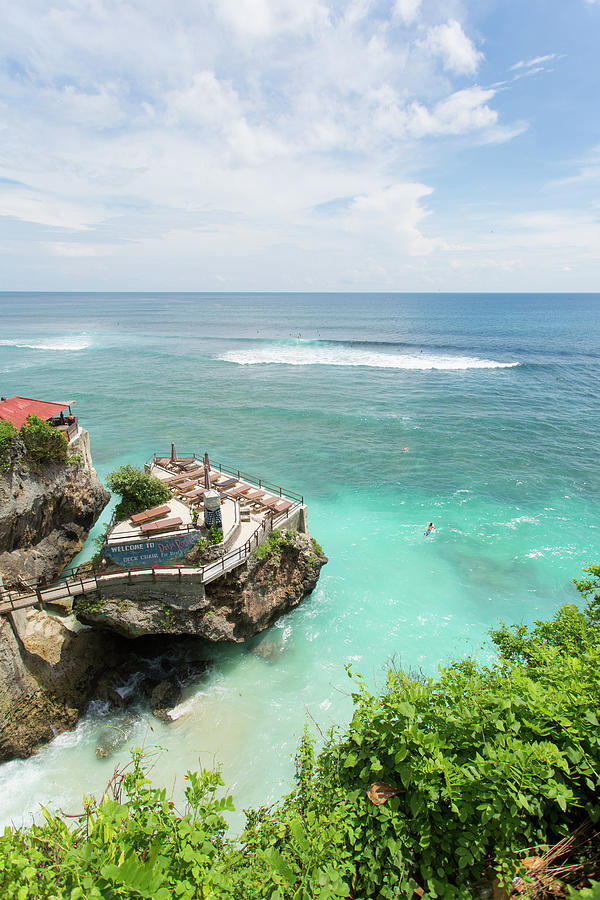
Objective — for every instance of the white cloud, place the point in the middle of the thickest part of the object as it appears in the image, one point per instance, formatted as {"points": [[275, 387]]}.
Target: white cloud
{"points": [[55, 212], [265, 18], [205, 101], [456, 50], [206, 133], [407, 10], [522, 64], [395, 209], [75, 251], [588, 170], [459, 113]]}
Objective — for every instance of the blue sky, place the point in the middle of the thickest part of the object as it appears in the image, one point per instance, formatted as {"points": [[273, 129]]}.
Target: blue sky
{"points": [[393, 145]]}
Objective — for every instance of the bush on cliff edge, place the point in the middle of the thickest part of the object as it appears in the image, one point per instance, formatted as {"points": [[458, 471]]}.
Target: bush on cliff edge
{"points": [[8, 433], [42, 444], [137, 489]]}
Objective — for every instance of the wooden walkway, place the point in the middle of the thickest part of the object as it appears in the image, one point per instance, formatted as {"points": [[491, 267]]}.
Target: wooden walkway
{"points": [[76, 585]]}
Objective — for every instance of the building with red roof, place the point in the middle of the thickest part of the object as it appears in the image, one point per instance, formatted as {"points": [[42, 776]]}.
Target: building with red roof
{"points": [[16, 410]]}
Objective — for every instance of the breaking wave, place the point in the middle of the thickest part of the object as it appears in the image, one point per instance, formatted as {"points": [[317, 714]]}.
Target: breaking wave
{"points": [[65, 344], [324, 353]]}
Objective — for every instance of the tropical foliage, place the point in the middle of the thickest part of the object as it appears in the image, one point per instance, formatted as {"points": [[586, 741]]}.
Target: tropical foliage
{"points": [[44, 444], [137, 489], [437, 785], [8, 433]]}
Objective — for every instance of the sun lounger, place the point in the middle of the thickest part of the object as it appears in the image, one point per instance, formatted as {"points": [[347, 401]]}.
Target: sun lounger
{"points": [[180, 464], [162, 525], [197, 493], [228, 483], [187, 485], [176, 479], [235, 492], [283, 506], [253, 496], [191, 465], [269, 502], [148, 515]]}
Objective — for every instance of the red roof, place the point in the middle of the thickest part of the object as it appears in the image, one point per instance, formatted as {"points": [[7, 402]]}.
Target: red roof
{"points": [[16, 409]]}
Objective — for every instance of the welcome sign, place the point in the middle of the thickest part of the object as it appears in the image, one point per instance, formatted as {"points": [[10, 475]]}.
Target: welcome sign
{"points": [[155, 552]]}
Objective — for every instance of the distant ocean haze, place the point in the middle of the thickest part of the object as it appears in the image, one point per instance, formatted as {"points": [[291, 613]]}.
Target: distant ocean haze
{"points": [[495, 397]]}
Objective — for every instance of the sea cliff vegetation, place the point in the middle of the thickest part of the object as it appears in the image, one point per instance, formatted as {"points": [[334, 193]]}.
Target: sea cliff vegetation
{"points": [[36, 442], [437, 787], [137, 489]]}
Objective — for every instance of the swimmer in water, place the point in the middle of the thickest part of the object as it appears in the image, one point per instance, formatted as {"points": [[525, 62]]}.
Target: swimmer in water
{"points": [[430, 528]]}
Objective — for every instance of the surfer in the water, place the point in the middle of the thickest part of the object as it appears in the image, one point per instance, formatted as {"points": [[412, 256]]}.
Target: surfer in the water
{"points": [[430, 528]]}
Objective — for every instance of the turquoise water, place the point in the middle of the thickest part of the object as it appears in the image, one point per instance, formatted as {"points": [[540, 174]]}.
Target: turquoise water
{"points": [[496, 398]]}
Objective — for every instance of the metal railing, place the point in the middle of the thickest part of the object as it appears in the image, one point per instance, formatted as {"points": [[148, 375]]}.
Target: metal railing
{"points": [[67, 428], [85, 578], [230, 470]]}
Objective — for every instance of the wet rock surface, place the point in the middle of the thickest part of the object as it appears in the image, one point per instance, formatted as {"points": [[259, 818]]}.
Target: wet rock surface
{"points": [[49, 669]]}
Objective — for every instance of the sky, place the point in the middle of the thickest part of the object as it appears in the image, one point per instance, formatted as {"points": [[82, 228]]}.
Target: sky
{"points": [[266, 145]]}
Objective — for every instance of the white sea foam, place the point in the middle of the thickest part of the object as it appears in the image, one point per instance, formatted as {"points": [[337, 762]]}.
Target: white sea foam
{"points": [[344, 355], [81, 342]]}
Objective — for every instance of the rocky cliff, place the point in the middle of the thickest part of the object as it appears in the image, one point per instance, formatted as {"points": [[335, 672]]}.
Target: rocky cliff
{"points": [[48, 666], [234, 607], [45, 515], [49, 670], [51, 665]]}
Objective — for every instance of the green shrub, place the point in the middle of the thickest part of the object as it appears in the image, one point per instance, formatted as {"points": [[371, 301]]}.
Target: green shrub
{"points": [[214, 535], [271, 545], [479, 763], [590, 893], [8, 433], [138, 491], [43, 443]]}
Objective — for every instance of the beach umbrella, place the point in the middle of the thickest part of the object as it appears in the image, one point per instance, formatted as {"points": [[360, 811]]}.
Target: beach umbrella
{"points": [[206, 471], [173, 452]]}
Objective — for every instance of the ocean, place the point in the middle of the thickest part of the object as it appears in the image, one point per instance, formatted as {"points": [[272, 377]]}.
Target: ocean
{"points": [[479, 412]]}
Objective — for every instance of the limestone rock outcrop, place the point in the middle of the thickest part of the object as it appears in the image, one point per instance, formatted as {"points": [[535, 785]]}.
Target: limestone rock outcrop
{"points": [[49, 670], [234, 607], [46, 515], [48, 665]]}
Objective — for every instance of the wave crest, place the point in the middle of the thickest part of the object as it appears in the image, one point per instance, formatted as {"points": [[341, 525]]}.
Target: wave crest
{"points": [[314, 354], [65, 344]]}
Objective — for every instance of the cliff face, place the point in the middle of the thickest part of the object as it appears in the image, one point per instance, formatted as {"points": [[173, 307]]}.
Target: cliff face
{"points": [[48, 667], [235, 607], [46, 515], [52, 665], [49, 670]]}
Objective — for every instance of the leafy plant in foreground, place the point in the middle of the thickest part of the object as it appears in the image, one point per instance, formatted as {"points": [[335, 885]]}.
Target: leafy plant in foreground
{"points": [[478, 764]]}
